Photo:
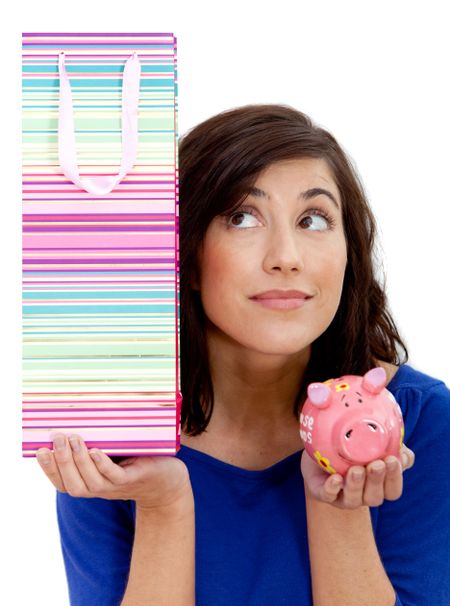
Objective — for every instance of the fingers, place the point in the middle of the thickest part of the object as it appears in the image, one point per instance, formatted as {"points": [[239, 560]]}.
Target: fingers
{"points": [[73, 469], [374, 491], [48, 464], [353, 490], [408, 457], [369, 485], [393, 484], [330, 489], [87, 468], [116, 474], [73, 481]]}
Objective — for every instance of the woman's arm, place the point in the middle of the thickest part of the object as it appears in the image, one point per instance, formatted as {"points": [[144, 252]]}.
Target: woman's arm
{"points": [[346, 569], [162, 567], [97, 556], [410, 549]]}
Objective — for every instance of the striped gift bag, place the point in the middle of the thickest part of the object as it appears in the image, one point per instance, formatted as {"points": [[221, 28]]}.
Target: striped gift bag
{"points": [[100, 242]]}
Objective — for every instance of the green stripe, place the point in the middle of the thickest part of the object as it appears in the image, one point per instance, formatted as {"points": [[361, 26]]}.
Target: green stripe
{"points": [[89, 349]]}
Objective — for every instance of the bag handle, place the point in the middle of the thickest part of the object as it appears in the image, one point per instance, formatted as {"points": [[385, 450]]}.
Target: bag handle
{"points": [[100, 184]]}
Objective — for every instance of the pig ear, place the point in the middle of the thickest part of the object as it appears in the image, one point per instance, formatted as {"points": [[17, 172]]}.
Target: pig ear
{"points": [[374, 380], [319, 395]]}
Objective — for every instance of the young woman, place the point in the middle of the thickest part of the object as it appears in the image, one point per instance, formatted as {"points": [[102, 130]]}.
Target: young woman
{"points": [[242, 516]]}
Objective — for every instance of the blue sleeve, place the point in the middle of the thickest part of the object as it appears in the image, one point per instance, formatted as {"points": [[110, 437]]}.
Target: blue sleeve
{"points": [[413, 533], [96, 539]]}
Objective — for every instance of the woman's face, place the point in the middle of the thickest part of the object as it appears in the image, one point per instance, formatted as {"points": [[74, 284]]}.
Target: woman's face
{"points": [[279, 239]]}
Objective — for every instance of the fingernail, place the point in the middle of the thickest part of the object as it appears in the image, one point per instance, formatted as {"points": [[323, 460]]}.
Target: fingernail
{"points": [[357, 475], [43, 458], [377, 467], [391, 464], [75, 443], [404, 459], [95, 455], [59, 442]]}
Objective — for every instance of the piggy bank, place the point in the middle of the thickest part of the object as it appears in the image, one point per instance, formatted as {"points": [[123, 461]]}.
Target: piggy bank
{"points": [[352, 420]]}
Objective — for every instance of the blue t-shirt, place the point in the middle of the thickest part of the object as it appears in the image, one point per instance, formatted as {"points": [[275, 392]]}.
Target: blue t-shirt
{"points": [[251, 533]]}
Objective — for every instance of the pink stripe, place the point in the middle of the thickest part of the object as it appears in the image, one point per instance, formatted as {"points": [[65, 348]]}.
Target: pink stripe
{"points": [[82, 416], [92, 267], [92, 56], [95, 433], [94, 424], [144, 452], [72, 196], [149, 174], [103, 407], [134, 444], [143, 188], [108, 443], [98, 240], [31, 303], [141, 217], [113, 255], [91, 44], [70, 35], [63, 207]]}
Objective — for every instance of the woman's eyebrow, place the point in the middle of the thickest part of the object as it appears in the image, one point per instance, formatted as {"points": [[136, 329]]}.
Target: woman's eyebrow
{"points": [[305, 195]]}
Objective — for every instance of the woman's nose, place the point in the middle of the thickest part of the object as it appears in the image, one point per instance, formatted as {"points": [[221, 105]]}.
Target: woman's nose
{"points": [[284, 251]]}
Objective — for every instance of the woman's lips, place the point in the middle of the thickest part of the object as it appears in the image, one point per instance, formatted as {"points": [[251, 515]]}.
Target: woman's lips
{"points": [[288, 303]]}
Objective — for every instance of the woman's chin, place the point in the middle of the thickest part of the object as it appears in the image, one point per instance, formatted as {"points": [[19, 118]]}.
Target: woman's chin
{"points": [[270, 345]]}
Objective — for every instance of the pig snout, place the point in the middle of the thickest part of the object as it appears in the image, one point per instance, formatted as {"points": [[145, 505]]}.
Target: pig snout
{"points": [[362, 440]]}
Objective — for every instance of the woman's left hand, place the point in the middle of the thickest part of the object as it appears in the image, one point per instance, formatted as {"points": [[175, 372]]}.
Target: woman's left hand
{"points": [[379, 480]]}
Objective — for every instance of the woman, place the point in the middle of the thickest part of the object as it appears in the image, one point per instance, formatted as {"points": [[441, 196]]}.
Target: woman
{"points": [[241, 515]]}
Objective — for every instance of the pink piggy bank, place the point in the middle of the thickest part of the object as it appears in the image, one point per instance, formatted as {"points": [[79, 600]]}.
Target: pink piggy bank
{"points": [[352, 420]]}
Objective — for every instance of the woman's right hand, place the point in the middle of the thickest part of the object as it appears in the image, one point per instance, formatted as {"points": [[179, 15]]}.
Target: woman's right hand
{"points": [[156, 483]]}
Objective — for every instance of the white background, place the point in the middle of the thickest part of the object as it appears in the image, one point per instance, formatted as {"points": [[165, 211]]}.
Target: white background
{"points": [[375, 76]]}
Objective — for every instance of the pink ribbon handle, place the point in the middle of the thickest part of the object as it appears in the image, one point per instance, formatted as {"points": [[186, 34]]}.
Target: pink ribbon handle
{"points": [[100, 184]]}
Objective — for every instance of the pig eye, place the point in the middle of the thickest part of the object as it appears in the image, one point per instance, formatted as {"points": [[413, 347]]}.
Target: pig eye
{"points": [[348, 434], [347, 404], [360, 401]]}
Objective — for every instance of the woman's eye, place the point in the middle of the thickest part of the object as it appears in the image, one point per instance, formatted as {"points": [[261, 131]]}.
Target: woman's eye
{"points": [[318, 221], [313, 220], [233, 216]]}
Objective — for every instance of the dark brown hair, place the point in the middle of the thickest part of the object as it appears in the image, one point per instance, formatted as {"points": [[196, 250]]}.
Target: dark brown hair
{"points": [[219, 161]]}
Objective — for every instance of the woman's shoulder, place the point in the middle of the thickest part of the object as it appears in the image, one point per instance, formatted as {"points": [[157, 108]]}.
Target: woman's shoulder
{"points": [[423, 398], [406, 377]]}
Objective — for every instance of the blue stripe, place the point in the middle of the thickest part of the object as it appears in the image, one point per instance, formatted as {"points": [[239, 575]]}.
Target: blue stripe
{"points": [[98, 295], [93, 82], [85, 309], [53, 69]]}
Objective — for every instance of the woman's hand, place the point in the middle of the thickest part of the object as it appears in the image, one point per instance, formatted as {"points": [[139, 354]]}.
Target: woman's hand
{"points": [[154, 482], [379, 480]]}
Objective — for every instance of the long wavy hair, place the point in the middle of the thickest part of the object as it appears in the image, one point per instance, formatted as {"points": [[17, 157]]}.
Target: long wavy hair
{"points": [[219, 161]]}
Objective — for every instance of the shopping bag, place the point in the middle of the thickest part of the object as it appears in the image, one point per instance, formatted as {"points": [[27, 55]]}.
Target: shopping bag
{"points": [[100, 242]]}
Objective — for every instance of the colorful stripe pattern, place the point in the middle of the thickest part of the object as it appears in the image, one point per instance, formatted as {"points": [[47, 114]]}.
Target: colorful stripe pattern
{"points": [[101, 273]]}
